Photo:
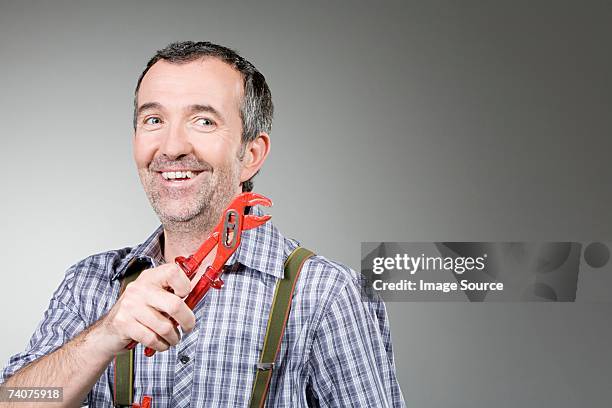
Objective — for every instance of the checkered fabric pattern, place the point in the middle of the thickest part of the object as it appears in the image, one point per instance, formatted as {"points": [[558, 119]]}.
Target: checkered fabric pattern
{"points": [[336, 350]]}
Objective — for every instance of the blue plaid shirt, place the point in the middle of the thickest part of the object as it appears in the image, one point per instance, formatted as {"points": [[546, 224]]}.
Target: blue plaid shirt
{"points": [[336, 350]]}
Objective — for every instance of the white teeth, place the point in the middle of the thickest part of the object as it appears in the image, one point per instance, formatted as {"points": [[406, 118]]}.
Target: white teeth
{"points": [[173, 175]]}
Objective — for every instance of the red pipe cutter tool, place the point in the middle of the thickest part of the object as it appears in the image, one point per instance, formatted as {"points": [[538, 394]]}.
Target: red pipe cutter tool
{"points": [[226, 236]]}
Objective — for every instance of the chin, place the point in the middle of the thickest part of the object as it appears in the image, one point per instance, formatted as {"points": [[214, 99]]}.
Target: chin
{"points": [[180, 213], [166, 218]]}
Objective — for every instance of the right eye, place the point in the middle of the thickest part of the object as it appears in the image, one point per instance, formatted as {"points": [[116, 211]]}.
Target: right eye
{"points": [[152, 120]]}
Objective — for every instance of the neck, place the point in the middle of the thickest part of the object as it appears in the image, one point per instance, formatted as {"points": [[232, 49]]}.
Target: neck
{"points": [[182, 241], [184, 238]]}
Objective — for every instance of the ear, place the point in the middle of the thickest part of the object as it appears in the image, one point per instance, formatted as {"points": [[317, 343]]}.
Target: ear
{"points": [[255, 154]]}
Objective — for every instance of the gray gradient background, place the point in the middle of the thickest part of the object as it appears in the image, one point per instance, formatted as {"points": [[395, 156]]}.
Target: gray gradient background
{"points": [[395, 121]]}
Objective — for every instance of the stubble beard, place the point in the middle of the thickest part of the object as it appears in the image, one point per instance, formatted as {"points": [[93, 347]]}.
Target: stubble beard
{"points": [[199, 212]]}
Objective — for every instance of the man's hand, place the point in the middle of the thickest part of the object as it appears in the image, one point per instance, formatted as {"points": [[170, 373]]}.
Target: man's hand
{"points": [[143, 311]]}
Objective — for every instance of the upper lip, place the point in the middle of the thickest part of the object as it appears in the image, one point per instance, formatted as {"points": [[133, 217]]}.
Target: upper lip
{"points": [[168, 170]]}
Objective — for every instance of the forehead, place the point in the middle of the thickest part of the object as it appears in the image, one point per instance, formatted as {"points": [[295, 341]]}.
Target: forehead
{"points": [[207, 81]]}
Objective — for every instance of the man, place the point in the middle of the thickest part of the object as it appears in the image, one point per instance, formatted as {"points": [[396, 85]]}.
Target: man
{"points": [[202, 121]]}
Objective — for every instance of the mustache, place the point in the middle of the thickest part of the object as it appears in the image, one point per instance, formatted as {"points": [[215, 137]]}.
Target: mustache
{"points": [[189, 162]]}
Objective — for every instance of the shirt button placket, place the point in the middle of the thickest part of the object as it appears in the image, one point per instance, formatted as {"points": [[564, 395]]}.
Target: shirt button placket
{"points": [[183, 370]]}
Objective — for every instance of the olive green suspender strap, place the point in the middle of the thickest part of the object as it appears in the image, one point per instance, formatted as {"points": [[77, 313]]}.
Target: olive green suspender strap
{"points": [[279, 313], [124, 362]]}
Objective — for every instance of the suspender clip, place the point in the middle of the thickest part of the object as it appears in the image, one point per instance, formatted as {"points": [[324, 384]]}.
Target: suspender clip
{"points": [[265, 366]]}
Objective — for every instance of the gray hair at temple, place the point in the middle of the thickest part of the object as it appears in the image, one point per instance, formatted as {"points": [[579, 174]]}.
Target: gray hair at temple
{"points": [[256, 109]]}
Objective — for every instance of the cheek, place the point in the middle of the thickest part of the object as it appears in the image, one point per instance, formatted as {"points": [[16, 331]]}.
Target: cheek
{"points": [[143, 151], [217, 152]]}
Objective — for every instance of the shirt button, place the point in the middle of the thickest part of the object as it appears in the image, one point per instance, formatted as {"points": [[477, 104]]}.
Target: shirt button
{"points": [[184, 359]]}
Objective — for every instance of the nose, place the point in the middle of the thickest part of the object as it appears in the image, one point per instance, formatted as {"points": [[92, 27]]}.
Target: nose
{"points": [[176, 142]]}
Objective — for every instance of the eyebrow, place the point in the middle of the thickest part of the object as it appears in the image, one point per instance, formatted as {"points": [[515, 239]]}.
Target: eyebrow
{"points": [[195, 108], [203, 108], [148, 106]]}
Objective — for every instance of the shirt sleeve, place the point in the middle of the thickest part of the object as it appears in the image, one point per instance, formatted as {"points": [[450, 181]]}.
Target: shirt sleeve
{"points": [[351, 362], [60, 323]]}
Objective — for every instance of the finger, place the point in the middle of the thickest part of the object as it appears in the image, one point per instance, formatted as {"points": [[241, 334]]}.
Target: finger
{"points": [[146, 336], [158, 323], [178, 281], [171, 276], [174, 307]]}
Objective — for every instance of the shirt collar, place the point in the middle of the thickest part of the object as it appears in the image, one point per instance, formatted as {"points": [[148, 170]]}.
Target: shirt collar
{"points": [[261, 248], [150, 250]]}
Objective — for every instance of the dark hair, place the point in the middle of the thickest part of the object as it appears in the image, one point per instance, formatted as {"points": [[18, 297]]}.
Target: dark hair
{"points": [[256, 110]]}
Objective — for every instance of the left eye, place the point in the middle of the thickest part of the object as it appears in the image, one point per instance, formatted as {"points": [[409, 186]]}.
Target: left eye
{"points": [[204, 122]]}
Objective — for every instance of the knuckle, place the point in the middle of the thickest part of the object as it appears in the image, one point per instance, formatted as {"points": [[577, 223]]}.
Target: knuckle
{"points": [[175, 306], [171, 270], [161, 346], [191, 322], [131, 289], [149, 339], [182, 290], [166, 329], [120, 316], [183, 278], [188, 324], [127, 303]]}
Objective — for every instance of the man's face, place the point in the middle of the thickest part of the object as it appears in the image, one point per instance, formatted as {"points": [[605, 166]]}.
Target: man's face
{"points": [[188, 138]]}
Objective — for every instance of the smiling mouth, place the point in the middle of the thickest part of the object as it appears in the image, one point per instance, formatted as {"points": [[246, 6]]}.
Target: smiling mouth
{"points": [[179, 175]]}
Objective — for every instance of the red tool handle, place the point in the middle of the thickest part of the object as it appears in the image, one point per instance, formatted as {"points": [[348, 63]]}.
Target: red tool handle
{"points": [[145, 403], [208, 280]]}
